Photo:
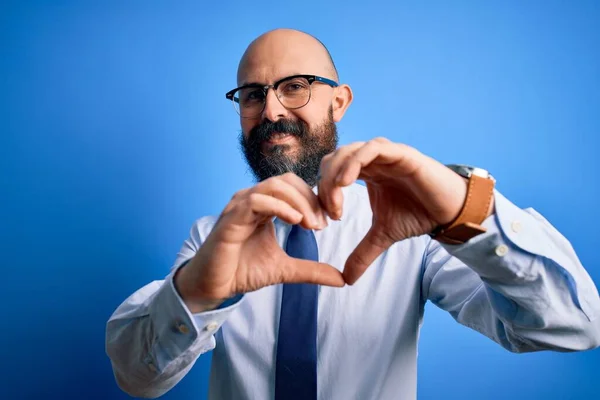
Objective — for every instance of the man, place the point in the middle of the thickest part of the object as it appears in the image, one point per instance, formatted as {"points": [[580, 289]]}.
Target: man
{"points": [[310, 286]]}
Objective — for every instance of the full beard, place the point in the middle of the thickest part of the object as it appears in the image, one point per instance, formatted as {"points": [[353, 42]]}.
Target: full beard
{"points": [[277, 160]]}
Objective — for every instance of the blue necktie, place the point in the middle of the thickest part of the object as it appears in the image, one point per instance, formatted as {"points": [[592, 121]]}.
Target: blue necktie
{"points": [[296, 366]]}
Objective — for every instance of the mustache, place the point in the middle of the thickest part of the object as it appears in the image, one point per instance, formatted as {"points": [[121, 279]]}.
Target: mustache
{"points": [[266, 129]]}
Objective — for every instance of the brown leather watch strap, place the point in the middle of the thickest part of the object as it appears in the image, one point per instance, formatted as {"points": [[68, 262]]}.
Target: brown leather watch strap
{"points": [[480, 192]]}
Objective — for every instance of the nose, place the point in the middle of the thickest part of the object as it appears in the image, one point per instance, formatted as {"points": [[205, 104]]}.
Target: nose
{"points": [[273, 110]]}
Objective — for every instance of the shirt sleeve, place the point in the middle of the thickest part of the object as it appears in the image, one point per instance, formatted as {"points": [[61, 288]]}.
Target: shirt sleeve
{"points": [[152, 338], [520, 283]]}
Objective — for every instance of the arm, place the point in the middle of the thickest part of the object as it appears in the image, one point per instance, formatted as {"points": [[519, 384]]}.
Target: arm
{"points": [[521, 284], [152, 338]]}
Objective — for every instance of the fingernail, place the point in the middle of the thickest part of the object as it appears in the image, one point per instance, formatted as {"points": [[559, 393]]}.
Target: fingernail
{"points": [[314, 221], [338, 214], [323, 217]]}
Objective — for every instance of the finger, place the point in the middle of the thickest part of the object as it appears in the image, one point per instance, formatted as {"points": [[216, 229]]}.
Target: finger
{"points": [[308, 193], [296, 270], [381, 150], [265, 206], [282, 190], [330, 195], [372, 246]]}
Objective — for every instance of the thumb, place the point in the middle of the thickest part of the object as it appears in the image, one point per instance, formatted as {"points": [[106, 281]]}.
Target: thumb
{"points": [[297, 270], [373, 244]]}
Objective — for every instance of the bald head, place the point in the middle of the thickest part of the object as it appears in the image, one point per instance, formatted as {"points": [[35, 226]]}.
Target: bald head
{"points": [[284, 52]]}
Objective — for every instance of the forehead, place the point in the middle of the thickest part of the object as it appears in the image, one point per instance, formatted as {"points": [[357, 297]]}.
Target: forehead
{"points": [[270, 60]]}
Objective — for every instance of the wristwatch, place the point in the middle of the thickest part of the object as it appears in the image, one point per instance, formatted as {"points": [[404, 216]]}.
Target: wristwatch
{"points": [[480, 191]]}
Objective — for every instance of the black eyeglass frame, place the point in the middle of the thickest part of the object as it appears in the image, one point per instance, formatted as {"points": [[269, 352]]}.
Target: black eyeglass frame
{"points": [[265, 88]]}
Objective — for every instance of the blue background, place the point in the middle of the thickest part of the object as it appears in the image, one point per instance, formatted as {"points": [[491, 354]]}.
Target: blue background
{"points": [[115, 136]]}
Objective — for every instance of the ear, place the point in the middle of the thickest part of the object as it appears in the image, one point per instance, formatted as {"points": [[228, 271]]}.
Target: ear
{"points": [[342, 97]]}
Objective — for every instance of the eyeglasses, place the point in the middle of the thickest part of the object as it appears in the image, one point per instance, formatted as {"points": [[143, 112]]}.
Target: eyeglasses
{"points": [[292, 92]]}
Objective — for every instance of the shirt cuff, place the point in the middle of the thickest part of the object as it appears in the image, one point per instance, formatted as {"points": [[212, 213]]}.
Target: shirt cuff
{"points": [[176, 329], [513, 238], [509, 230]]}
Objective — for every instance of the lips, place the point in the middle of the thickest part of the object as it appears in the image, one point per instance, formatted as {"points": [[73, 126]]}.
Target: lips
{"points": [[278, 138]]}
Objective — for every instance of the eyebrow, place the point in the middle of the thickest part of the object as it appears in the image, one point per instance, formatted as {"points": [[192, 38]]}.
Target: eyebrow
{"points": [[263, 84], [252, 84]]}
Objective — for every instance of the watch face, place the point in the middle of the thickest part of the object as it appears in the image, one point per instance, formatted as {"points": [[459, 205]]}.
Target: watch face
{"points": [[468, 170]]}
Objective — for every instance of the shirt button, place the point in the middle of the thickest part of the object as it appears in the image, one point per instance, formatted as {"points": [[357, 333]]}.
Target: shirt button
{"points": [[152, 367], [516, 226], [183, 328], [212, 326], [501, 250]]}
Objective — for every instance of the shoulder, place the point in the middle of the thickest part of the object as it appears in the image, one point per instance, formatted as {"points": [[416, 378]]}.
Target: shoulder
{"points": [[202, 227]]}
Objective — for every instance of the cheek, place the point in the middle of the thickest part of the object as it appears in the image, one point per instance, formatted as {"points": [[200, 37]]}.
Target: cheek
{"points": [[313, 113], [247, 125]]}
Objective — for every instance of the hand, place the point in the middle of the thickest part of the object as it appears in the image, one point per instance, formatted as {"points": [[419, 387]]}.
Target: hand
{"points": [[241, 254], [410, 194]]}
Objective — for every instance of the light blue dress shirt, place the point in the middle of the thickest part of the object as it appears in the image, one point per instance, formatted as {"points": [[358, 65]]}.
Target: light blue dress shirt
{"points": [[520, 284]]}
